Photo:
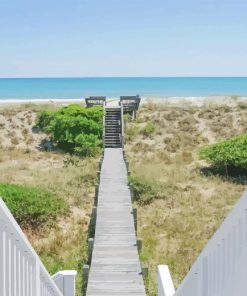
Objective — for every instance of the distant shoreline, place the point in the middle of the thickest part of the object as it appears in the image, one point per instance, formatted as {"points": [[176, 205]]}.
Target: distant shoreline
{"points": [[195, 100]]}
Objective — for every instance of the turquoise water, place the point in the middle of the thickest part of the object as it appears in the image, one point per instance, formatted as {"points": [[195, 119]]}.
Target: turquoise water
{"points": [[75, 88]]}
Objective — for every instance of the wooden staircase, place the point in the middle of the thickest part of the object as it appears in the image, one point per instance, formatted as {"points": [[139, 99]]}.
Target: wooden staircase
{"points": [[113, 127]]}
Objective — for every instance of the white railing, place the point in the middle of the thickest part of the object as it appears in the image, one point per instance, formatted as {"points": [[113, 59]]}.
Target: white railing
{"points": [[65, 281], [221, 268], [21, 271]]}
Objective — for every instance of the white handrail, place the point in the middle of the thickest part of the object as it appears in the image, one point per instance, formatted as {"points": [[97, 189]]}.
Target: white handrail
{"points": [[221, 268], [21, 271]]}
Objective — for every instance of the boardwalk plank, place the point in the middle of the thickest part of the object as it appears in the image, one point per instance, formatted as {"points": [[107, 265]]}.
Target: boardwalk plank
{"points": [[115, 266]]}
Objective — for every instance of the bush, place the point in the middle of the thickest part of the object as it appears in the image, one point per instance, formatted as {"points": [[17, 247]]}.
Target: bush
{"points": [[145, 191], [87, 145], [31, 206], [149, 129], [74, 128], [232, 152]]}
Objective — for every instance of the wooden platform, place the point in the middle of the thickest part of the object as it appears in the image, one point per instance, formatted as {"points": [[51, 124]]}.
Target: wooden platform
{"points": [[115, 267]]}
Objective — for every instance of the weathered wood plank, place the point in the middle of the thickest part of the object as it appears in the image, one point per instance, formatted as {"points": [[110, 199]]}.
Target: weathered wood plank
{"points": [[115, 266]]}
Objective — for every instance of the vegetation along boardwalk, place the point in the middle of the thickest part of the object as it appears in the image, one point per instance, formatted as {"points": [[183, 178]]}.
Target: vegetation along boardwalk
{"points": [[115, 267]]}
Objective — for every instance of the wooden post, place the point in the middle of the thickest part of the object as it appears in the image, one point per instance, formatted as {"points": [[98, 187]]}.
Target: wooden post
{"points": [[90, 249], [135, 217], [139, 246], [144, 272], [100, 164], [94, 216], [96, 194], [85, 273], [131, 192]]}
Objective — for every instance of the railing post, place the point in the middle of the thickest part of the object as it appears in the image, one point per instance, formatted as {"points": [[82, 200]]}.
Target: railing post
{"points": [[165, 284], [135, 218], [96, 194], [65, 281], [90, 249], [139, 246], [85, 278]]}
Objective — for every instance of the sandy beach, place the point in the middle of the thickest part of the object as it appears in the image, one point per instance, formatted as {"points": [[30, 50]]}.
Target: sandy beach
{"points": [[195, 101]]}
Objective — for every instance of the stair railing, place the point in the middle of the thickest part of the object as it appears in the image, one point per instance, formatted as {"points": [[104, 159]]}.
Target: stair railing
{"points": [[221, 268], [122, 124], [104, 106], [21, 271]]}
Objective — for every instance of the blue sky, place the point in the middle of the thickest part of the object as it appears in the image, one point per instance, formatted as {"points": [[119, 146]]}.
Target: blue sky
{"points": [[123, 38]]}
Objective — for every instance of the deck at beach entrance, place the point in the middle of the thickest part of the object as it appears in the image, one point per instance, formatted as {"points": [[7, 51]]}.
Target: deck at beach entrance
{"points": [[114, 268]]}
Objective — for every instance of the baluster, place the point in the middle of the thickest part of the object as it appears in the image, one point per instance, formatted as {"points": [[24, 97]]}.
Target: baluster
{"points": [[240, 238], [234, 254], [223, 265], [218, 268], [18, 268], [27, 273], [229, 254], [38, 281], [2, 258], [210, 275], [7, 263], [13, 264]]}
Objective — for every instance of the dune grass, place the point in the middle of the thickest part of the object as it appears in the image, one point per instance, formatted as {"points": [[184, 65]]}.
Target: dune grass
{"points": [[179, 206], [61, 243]]}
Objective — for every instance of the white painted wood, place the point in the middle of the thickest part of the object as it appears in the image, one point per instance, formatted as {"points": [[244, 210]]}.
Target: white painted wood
{"points": [[221, 268], [2, 288], [165, 283], [21, 271], [65, 281]]}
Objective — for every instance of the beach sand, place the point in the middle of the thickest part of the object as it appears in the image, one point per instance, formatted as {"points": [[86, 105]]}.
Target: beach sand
{"points": [[195, 101], [17, 117]]}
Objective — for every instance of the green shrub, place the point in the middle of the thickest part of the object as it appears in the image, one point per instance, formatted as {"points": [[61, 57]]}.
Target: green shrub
{"points": [[31, 206], [149, 129], [87, 145], [145, 191], [74, 128], [232, 152], [44, 119]]}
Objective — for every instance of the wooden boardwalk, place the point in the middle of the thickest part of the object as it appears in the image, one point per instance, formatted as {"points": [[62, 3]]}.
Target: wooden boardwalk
{"points": [[115, 266]]}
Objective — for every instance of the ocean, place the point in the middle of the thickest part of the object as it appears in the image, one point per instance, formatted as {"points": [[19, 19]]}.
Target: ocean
{"points": [[76, 88]]}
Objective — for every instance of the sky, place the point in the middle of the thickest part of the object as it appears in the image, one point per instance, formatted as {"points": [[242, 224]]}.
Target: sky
{"points": [[78, 38]]}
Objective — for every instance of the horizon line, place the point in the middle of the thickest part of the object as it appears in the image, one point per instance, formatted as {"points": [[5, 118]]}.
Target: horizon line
{"points": [[102, 77]]}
